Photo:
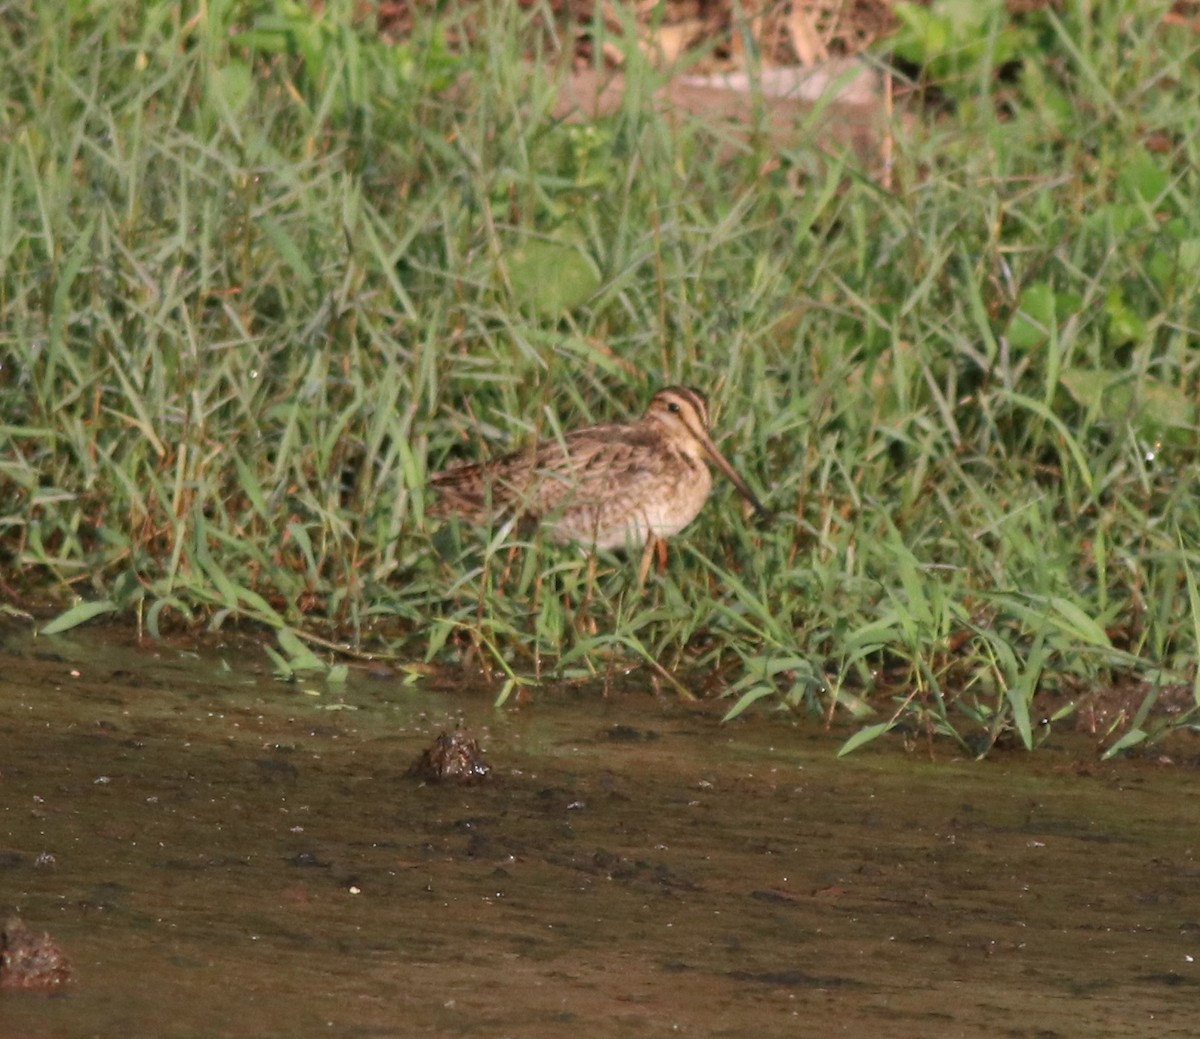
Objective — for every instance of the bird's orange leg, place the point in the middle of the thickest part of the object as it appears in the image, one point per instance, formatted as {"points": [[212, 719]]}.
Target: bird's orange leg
{"points": [[654, 546], [583, 621]]}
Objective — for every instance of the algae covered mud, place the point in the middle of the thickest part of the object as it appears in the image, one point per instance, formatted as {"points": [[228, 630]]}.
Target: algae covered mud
{"points": [[223, 855]]}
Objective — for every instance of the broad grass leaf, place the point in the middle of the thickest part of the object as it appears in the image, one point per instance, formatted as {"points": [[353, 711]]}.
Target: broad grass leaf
{"points": [[1143, 179], [234, 84], [1035, 316], [864, 736], [1150, 404], [750, 696], [155, 611], [551, 277], [299, 656], [1130, 740], [79, 614], [287, 248]]}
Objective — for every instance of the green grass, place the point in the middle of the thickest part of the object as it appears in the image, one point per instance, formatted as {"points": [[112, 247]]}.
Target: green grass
{"points": [[261, 272]]}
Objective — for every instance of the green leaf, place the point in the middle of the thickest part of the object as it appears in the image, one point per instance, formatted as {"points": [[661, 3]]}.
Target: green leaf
{"points": [[1164, 405], [1124, 324], [1089, 387], [64, 274], [1189, 254], [1150, 404], [287, 248], [78, 614], [282, 668], [1143, 179], [299, 656], [747, 698], [1078, 624], [551, 277], [1131, 739], [234, 84], [1021, 692], [1036, 314], [250, 486], [1073, 446], [155, 611], [1194, 608], [863, 736]]}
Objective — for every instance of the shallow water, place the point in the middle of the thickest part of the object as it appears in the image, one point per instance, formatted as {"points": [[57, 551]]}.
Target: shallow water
{"points": [[232, 856]]}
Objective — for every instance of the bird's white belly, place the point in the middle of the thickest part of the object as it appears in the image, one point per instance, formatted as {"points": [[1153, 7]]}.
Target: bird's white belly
{"points": [[659, 514]]}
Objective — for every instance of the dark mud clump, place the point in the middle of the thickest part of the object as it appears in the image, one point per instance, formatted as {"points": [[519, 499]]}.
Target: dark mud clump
{"points": [[30, 962], [453, 757]]}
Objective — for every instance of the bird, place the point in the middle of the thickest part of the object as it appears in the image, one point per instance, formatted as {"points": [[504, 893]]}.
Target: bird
{"points": [[609, 486]]}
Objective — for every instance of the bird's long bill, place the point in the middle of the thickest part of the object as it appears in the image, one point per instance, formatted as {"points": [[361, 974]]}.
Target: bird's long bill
{"points": [[722, 463]]}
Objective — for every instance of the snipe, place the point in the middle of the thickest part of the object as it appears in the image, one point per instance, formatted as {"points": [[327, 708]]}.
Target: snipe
{"points": [[608, 485]]}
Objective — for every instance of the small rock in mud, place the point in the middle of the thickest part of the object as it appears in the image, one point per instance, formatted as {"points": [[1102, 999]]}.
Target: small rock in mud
{"points": [[30, 962], [452, 756]]}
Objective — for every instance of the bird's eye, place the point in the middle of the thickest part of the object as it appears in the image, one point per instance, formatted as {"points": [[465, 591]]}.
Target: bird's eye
{"points": [[673, 407]]}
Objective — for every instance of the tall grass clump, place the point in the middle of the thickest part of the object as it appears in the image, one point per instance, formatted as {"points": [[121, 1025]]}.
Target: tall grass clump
{"points": [[263, 270]]}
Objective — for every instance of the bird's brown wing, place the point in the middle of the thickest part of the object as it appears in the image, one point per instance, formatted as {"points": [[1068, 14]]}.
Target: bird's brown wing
{"points": [[547, 478], [523, 483]]}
